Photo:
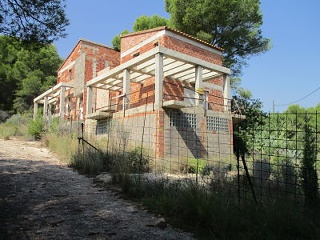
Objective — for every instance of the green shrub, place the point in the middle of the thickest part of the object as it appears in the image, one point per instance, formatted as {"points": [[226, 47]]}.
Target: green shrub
{"points": [[65, 146], [137, 161], [215, 213], [193, 165], [7, 130], [36, 127], [90, 161], [16, 125]]}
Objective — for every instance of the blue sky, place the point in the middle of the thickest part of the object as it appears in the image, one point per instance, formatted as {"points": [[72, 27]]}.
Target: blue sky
{"points": [[285, 74]]}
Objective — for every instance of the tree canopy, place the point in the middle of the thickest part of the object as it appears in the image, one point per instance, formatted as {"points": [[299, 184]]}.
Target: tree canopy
{"points": [[141, 23], [234, 25], [25, 73], [144, 22], [40, 21], [116, 41]]}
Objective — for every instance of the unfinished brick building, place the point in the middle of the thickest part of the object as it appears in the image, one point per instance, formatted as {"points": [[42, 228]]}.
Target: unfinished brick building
{"points": [[165, 90]]}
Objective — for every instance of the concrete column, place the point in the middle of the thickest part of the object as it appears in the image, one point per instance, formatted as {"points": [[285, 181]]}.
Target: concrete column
{"points": [[62, 102], [158, 81], [89, 100], [226, 92], [45, 107], [35, 110], [198, 85], [126, 88]]}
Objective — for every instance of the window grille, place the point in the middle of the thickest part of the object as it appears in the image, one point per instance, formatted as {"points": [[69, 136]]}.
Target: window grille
{"points": [[217, 124], [183, 120], [103, 126]]}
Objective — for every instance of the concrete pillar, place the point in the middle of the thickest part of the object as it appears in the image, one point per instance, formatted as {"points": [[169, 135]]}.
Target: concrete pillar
{"points": [[35, 110], [126, 88], [89, 100], [62, 102], [226, 92], [198, 85], [45, 107], [158, 81]]}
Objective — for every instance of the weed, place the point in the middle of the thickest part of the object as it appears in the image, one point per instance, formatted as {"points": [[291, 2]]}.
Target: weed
{"points": [[90, 161]]}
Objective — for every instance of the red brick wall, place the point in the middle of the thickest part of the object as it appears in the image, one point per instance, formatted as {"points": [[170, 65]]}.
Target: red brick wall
{"points": [[132, 40], [97, 53], [189, 49], [64, 76], [142, 93], [172, 90], [100, 53]]}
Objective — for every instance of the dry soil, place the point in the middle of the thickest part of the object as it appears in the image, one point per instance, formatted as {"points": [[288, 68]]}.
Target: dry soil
{"points": [[41, 198]]}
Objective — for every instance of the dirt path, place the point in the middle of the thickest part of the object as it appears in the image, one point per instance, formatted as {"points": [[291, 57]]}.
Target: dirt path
{"points": [[41, 198]]}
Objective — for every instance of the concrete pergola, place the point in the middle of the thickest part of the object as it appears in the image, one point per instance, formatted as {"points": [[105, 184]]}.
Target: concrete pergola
{"points": [[159, 62], [50, 96]]}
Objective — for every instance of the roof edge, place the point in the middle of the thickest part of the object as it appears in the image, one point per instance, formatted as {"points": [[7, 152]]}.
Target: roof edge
{"points": [[175, 31], [86, 41]]}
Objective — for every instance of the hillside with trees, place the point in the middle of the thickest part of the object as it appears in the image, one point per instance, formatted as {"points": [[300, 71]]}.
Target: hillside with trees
{"points": [[25, 73]]}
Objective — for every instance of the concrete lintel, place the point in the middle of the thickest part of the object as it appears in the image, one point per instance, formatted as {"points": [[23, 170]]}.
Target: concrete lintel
{"points": [[117, 70], [193, 60], [52, 91]]}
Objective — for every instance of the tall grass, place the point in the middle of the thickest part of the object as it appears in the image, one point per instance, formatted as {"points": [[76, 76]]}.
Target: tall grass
{"points": [[16, 126], [90, 161], [214, 212], [64, 145]]}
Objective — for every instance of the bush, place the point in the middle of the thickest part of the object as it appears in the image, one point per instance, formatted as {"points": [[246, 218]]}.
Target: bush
{"points": [[137, 161], [193, 165], [63, 145], [215, 213], [16, 125], [3, 116], [36, 127], [7, 130], [90, 162]]}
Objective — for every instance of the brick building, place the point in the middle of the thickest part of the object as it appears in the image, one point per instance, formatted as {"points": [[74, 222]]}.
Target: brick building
{"points": [[165, 88]]}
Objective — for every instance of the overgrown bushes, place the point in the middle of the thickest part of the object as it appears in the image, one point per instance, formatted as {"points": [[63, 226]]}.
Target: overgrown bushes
{"points": [[16, 125], [213, 212]]}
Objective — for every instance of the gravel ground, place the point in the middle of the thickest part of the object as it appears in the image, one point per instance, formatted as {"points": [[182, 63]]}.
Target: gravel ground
{"points": [[41, 198]]}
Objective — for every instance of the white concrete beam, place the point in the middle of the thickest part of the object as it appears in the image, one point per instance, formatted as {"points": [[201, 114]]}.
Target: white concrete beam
{"points": [[89, 101], [198, 84], [62, 102], [193, 60], [126, 88], [45, 107], [35, 110], [159, 80], [226, 91]]}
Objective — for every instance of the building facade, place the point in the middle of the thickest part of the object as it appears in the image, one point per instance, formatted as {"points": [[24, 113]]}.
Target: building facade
{"points": [[165, 89]]}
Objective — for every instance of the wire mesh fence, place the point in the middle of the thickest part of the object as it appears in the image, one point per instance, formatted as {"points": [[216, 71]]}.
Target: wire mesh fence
{"points": [[283, 157], [196, 143]]}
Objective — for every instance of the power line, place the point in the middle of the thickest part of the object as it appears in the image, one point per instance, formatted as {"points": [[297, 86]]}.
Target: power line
{"points": [[282, 105]]}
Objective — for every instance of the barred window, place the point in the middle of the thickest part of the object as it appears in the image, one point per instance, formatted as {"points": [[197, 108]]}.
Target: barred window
{"points": [[217, 124], [103, 126], [184, 120]]}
